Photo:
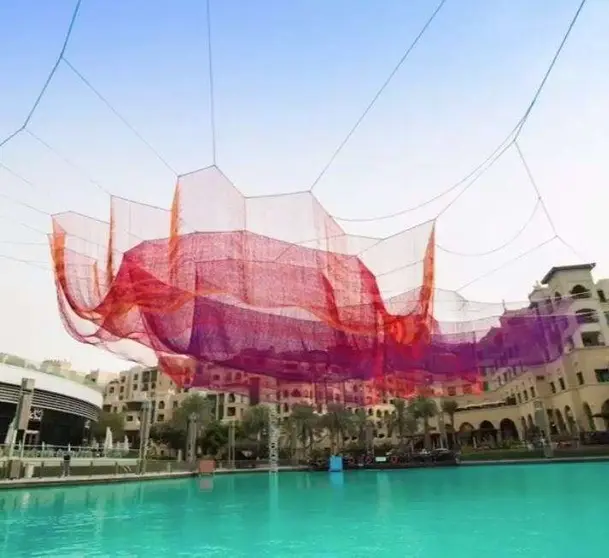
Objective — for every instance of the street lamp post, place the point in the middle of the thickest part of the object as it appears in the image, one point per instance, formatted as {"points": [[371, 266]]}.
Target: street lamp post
{"points": [[144, 434], [191, 439]]}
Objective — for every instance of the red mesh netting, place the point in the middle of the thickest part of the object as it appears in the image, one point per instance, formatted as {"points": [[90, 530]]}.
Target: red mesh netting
{"points": [[223, 288]]}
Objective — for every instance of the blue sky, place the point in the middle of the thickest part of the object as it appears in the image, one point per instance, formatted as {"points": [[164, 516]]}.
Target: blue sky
{"points": [[291, 79]]}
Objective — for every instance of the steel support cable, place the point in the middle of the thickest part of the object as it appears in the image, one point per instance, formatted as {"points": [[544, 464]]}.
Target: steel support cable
{"points": [[506, 264], [505, 144], [543, 205], [44, 213], [212, 93], [118, 115], [540, 201], [546, 75], [511, 240], [50, 77], [24, 126], [468, 180], [32, 263], [67, 161], [378, 94]]}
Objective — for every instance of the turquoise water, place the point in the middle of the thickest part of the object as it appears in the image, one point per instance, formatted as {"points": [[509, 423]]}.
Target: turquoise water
{"points": [[539, 511]]}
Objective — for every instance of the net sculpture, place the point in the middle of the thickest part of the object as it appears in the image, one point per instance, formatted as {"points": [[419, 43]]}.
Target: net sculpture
{"points": [[224, 290]]}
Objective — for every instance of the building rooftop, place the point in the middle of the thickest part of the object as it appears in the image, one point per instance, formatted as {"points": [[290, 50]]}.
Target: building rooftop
{"points": [[580, 267]]}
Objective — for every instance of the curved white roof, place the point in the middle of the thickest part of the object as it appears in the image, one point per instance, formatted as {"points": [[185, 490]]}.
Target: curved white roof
{"points": [[50, 382]]}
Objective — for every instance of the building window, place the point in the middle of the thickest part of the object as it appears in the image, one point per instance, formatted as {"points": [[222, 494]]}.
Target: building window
{"points": [[452, 391], [580, 378], [525, 395], [129, 418], [175, 404], [533, 392], [467, 389], [160, 418], [579, 291], [552, 387], [586, 316], [562, 384], [602, 375], [592, 339], [231, 411], [601, 295], [519, 397]]}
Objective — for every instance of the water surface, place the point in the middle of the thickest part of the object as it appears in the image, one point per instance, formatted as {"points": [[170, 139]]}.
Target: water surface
{"points": [[553, 511]]}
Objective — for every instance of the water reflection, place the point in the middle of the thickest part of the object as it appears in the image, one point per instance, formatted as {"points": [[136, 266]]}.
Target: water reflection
{"points": [[337, 479]]}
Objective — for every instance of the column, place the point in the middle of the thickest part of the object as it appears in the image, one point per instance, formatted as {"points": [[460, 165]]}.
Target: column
{"points": [[22, 413]]}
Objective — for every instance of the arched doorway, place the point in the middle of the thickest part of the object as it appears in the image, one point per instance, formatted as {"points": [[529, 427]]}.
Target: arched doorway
{"points": [[508, 429], [466, 434], [488, 433], [571, 424], [589, 418], [560, 421]]}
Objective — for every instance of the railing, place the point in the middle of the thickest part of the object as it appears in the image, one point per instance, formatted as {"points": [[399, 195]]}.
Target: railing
{"points": [[83, 469], [76, 452], [258, 464]]}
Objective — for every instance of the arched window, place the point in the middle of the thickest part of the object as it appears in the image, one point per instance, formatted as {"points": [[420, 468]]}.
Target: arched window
{"points": [[579, 291]]}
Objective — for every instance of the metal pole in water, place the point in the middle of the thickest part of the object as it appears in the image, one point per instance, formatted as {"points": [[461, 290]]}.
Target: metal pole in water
{"points": [[273, 438]]}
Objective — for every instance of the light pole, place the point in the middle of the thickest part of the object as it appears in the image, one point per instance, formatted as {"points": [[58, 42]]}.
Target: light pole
{"points": [[191, 439], [231, 445], [144, 433]]}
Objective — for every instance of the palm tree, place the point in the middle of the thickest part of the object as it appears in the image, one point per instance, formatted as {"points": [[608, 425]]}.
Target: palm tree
{"points": [[255, 424], [289, 435], [305, 422], [339, 423], [449, 408], [402, 420], [361, 425], [193, 404], [399, 420], [423, 408]]}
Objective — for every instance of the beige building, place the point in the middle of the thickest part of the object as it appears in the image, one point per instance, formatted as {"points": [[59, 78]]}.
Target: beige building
{"points": [[573, 392], [126, 393]]}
